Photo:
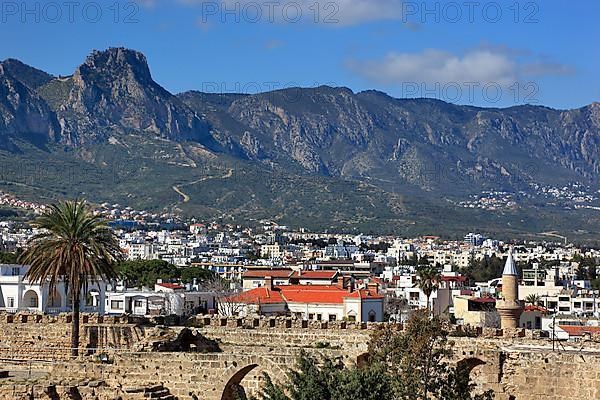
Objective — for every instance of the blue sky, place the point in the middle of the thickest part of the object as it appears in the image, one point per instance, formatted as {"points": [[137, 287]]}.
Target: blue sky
{"points": [[469, 52]]}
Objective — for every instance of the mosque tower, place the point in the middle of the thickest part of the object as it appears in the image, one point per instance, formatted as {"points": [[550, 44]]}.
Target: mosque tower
{"points": [[509, 307]]}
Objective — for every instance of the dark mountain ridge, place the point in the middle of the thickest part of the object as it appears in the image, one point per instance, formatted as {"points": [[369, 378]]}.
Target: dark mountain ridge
{"points": [[415, 147]]}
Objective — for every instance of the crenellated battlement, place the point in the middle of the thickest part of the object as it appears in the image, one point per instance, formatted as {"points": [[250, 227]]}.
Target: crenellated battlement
{"points": [[513, 362], [261, 323], [286, 323], [66, 318]]}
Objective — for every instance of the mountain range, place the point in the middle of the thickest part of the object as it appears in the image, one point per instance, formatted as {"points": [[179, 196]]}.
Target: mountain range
{"points": [[321, 158]]}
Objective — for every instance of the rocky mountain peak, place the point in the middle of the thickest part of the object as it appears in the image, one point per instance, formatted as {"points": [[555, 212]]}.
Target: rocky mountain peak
{"points": [[32, 77], [113, 93], [22, 112], [117, 61]]}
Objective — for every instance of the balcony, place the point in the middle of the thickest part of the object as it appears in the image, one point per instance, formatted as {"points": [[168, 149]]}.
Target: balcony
{"points": [[11, 279]]}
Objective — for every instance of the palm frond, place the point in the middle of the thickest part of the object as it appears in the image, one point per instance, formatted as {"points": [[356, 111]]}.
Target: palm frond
{"points": [[74, 246]]}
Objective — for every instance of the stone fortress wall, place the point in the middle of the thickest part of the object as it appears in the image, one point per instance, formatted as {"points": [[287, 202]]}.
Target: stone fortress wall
{"points": [[518, 367]]}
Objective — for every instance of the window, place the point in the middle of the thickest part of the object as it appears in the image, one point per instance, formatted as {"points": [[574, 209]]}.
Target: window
{"points": [[332, 317], [139, 304], [10, 302], [116, 304], [319, 317], [33, 301], [311, 316], [352, 318], [15, 271]]}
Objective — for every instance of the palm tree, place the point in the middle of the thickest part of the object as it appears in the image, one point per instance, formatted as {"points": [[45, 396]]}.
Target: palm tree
{"points": [[533, 299], [429, 278], [75, 247]]}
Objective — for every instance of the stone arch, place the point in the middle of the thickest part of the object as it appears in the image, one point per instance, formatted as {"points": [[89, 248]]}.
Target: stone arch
{"points": [[470, 368], [467, 364], [246, 381], [233, 390], [31, 299]]}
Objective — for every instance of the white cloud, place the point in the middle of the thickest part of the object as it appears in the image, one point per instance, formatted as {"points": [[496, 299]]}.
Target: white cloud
{"points": [[482, 65]]}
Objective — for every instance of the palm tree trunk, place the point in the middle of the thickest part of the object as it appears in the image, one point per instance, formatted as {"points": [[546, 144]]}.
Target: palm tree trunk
{"points": [[75, 325]]}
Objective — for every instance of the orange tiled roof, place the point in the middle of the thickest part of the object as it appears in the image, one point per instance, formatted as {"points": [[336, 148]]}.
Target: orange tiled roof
{"points": [[260, 295], [574, 330], [273, 273], [315, 275], [531, 307], [325, 295], [170, 285], [321, 294]]}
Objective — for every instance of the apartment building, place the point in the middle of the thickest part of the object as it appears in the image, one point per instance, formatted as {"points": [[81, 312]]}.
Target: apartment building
{"points": [[19, 294]]}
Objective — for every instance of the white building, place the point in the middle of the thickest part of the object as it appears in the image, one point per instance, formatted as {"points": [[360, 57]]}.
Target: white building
{"points": [[18, 294], [311, 302], [165, 299]]}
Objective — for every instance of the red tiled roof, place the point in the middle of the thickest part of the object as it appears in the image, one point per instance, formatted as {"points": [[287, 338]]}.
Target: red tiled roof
{"points": [[321, 294], [273, 273], [531, 307], [171, 285], [459, 278], [327, 275], [260, 295], [326, 294], [483, 300], [574, 330]]}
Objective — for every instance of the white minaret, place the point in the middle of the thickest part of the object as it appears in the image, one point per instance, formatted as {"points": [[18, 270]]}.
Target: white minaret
{"points": [[509, 307]]}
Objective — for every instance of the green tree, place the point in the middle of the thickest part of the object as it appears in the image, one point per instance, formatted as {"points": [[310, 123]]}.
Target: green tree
{"points": [[74, 247], [429, 278], [417, 361], [402, 365], [329, 380], [188, 274], [8, 258], [532, 299], [138, 273], [271, 391], [366, 383], [485, 269]]}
